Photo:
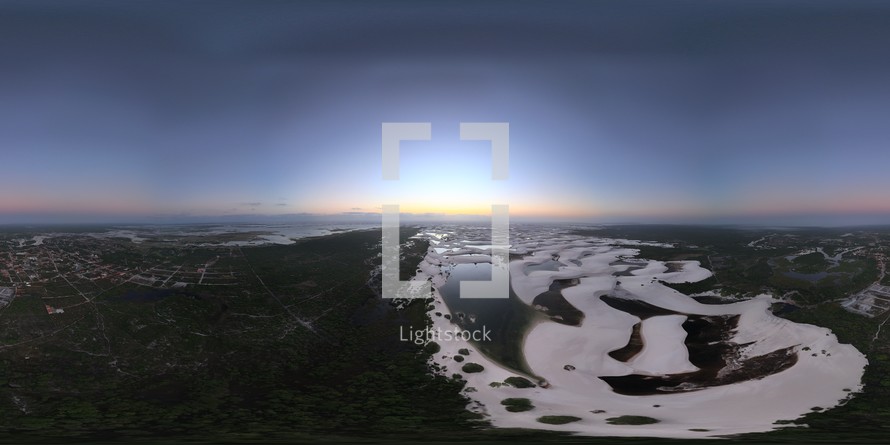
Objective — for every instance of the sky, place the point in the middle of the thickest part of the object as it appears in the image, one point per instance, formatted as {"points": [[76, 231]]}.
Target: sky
{"points": [[689, 111]]}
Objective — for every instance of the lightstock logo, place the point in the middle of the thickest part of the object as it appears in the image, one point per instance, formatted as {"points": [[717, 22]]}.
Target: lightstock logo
{"points": [[498, 133]]}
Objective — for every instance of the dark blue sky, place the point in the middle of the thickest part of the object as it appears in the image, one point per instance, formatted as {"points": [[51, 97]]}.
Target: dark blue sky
{"points": [[664, 110]]}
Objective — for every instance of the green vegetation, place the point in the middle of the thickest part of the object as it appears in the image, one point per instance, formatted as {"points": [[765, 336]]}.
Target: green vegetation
{"points": [[693, 288], [810, 263], [631, 420], [227, 362], [471, 368], [519, 382], [558, 420], [516, 405]]}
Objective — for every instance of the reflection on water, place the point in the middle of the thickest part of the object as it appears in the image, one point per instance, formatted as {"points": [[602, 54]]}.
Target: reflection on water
{"points": [[553, 304], [507, 318], [549, 265], [811, 277]]}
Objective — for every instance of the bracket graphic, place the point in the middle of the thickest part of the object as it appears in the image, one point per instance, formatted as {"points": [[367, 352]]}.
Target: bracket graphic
{"points": [[499, 285]]}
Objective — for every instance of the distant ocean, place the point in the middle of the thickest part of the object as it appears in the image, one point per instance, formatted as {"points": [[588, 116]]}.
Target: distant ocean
{"points": [[267, 233]]}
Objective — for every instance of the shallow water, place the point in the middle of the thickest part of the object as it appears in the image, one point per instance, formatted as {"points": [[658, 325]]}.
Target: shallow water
{"points": [[506, 318], [811, 277], [549, 265]]}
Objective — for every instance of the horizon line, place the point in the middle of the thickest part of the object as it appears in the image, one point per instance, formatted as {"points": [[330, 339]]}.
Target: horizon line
{"points": [[778, 220]]}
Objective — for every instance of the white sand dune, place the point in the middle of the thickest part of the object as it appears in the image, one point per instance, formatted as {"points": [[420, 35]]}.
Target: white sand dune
{"points": [[663, 349], [816, 379]]}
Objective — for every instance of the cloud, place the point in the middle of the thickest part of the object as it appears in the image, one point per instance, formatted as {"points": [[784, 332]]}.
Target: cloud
{"points": [[356, 208], [281, 204], [251, 204]]}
